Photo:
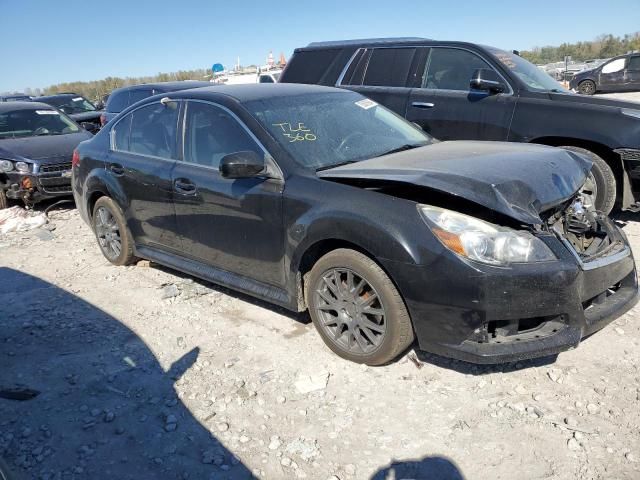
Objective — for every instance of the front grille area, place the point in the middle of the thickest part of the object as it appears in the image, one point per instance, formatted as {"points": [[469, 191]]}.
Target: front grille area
{"points": [[60, 167], [518, 330], [629, 154], [57, 189]]}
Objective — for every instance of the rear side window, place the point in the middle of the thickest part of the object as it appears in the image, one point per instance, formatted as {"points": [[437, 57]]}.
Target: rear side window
{"points": [[117, 101], [152, 131], [389, 67], [211, 133], [634, 63], [139, 94], [451, 69], [320, 67]]}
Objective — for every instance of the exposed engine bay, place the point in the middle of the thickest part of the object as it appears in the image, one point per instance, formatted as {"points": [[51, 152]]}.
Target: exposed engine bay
{"points": [[588, 231]]}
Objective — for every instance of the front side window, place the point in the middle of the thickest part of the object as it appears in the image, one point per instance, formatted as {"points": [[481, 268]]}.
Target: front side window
{"points": [[211, 133], [451, 69], [614, 66], [152, 131], [35, 123], [389, 67], [320, 130]]}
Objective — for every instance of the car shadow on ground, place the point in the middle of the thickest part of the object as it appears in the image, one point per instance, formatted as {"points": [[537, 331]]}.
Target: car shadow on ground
{"points": [[82, 396], [428, 468]]}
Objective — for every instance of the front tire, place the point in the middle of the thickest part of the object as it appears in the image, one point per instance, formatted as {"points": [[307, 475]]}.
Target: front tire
{"points": [[357, 309], [587, 87], [112, 232], [602, 178]]}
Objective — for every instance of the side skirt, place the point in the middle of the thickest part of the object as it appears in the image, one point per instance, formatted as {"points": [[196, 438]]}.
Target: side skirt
{"points": [[230, 280]]}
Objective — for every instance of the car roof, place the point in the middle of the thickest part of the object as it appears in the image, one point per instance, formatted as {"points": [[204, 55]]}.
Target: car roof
{"points": [[383, 42], [58, 95], [10, 106], [258, 91], [167, 86]]}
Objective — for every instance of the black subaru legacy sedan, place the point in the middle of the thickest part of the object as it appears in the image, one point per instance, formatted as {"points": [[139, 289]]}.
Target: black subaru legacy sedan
{"points": [[319, 198], [36, 145]]}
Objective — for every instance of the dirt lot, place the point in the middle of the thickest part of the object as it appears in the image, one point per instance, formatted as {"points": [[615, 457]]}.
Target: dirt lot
{"points": [[142, 373]]}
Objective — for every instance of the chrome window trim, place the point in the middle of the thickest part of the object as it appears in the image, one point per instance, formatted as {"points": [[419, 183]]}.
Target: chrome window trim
{"points": [[268, 157], [346, 67]]}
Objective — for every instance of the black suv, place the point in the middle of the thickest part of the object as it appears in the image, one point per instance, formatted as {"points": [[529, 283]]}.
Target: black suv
{"points": [[620, 74], [121, 98], [464, 91], [77, 107]]}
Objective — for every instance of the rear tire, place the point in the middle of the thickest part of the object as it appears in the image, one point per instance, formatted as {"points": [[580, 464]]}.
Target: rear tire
{"points": [[357, 309], [4, 203], [112, 233], [587, 87], [605, 180]]}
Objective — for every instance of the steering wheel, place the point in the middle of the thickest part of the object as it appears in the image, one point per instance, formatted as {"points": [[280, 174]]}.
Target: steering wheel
{"points": [[40, 131], [343, 147]]}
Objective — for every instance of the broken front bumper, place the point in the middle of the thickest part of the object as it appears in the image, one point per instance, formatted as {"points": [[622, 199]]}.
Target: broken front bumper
{"points": [[485, 314], [46, 181]]}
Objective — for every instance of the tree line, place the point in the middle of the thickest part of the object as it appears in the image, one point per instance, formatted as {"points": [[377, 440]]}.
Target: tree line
{"points": [[604, 46], [94, 90]]}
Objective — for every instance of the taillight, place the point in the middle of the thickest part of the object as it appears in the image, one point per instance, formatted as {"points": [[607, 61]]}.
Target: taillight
{"points": [[103, 120], [75, 160]]}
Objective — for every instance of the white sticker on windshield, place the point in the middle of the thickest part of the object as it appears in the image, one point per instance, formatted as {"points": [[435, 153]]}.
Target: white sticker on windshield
{"points": [[47, 112], [78, 99], [366, 103]]}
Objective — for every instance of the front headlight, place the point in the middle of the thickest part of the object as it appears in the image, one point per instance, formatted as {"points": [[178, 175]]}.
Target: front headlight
{"points": [[482, 241], [6, 166], [22, 167]]}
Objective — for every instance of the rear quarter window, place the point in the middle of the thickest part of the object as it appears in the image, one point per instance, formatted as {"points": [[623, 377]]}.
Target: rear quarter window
{"points": [[117, 101], [317, 67], [389, 67]]}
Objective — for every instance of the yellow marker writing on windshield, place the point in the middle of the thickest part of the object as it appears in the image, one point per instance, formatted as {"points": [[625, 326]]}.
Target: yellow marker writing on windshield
{"points": [[296, 132]]}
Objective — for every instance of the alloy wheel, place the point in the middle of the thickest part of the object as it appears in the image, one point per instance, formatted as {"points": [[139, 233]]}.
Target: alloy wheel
{"points": [[590, 188], [350, 311], [108, 233]]}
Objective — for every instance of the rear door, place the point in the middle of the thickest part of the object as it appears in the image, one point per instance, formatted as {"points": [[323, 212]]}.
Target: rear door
{"points": [[384, 75], [633, 73], [231, 224], [448, 109], [144, 150], [612, 75]]}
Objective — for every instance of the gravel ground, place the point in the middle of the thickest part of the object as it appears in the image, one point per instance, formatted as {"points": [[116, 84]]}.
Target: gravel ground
{"points": [[143, 373]]}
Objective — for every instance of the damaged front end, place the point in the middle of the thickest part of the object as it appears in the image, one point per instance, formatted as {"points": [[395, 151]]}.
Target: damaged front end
{"points": [[590, 235]]}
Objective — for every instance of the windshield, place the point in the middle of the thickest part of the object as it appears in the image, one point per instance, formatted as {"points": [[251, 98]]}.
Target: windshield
{"points": [[534, 77], [31, 123], [72, 104], [321, 130]]}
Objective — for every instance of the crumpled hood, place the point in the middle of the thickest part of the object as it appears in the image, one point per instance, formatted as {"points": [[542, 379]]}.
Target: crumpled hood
{"points": [[44, 149], [517, 180]]}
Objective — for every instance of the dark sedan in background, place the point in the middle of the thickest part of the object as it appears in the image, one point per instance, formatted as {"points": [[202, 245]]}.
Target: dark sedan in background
{"points": [[36, 146], [620, 74], [319, 198], [76, 107], [121, 98]]}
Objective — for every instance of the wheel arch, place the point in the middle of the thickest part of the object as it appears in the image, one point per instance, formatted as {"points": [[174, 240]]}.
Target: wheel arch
{"points": [[603, 151], [101, 185], [316, 250]]}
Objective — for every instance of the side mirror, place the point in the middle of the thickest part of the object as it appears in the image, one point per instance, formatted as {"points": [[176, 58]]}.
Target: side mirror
{"points": [[487, 80], [242, 165]]}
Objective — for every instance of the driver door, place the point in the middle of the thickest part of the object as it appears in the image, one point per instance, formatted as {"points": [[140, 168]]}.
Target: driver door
{"points": [[231, 224], [612, 75]]}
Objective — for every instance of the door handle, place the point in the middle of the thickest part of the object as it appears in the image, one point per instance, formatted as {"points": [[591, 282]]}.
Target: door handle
{"points": [[184, 186], [423, 104], [117, 169]]}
